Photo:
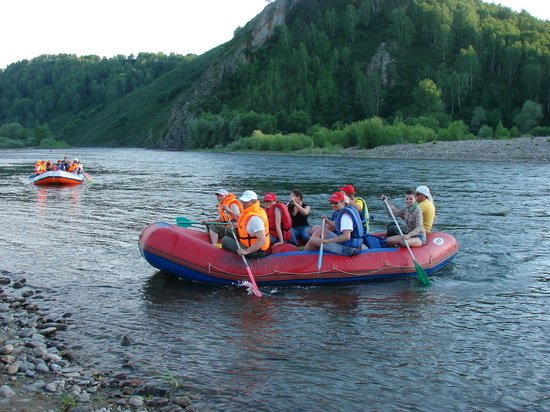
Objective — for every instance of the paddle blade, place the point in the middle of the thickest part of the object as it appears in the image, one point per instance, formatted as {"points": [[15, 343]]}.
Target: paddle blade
{"points": [[183, 221], [253, 286], [421, 275]]}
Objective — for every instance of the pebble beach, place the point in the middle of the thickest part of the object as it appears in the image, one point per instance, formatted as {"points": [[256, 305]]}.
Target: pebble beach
{"points": [[40, 373], [521, 149]]}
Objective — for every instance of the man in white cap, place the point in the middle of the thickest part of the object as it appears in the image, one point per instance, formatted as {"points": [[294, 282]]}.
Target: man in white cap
{"points": [[252, 229], [229, 208], [425, 202]]}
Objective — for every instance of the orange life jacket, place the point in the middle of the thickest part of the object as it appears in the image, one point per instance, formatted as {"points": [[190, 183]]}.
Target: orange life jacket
{"points": [[244, 237], [286, 221], [228, 201]]}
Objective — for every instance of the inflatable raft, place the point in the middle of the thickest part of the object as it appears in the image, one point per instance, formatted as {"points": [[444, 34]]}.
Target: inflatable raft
{"points": [[58, 178], [188, 254]]}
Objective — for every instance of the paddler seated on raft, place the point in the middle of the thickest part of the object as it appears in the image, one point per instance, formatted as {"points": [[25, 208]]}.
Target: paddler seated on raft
{"points": [[413, 230], [358, 203], [426, 203], [298, 212], [343, 233], [252, 229], [75, 167], [229, 208], [280, 222]]}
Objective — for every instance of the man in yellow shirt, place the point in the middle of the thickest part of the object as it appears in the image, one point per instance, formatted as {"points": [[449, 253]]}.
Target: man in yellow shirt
{"points": [[426, 204]]}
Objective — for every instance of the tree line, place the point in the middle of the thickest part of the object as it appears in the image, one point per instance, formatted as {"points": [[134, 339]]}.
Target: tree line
{"points": [[417, 63], [49, 90]]}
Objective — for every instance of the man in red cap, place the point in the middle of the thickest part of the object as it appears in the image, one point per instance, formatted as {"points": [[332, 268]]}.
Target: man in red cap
{"points": [[343, 234], [358, 203]]}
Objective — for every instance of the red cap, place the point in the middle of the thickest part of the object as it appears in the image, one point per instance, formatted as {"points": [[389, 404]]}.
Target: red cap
{"points": [[336, 197], [349, 189], [270, 197]]}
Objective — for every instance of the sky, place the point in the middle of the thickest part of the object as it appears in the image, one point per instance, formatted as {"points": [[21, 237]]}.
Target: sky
{"points": [[30, 28]]}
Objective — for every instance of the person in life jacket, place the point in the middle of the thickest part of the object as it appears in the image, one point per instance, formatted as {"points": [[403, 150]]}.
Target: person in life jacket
{"points": [[229, 209], [75, 167], [344, 234], [39, 167], [280, 222], [358, 203], [252, 229]]}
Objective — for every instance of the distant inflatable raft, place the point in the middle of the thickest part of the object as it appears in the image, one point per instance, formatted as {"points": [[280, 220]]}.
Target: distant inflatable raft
{"points": [[58, 178], [188, 254]]}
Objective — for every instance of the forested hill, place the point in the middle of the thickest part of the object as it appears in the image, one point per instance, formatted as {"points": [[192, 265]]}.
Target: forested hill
{"points": [[302, 66]]}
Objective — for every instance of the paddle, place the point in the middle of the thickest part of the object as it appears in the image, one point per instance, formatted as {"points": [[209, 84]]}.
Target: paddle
{"points": [[320, 259], [185, 222], [254, 286], [421, 275], [88, 176]]}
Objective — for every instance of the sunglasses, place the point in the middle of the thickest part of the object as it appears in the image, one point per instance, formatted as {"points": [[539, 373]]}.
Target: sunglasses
{"points": [[334, 203]]}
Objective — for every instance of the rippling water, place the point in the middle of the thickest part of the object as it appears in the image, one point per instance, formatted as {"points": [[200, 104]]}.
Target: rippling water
{"points": [[476, 339]]}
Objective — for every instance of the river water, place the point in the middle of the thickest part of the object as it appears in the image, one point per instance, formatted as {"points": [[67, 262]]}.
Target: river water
{"points": [[476, 339]]}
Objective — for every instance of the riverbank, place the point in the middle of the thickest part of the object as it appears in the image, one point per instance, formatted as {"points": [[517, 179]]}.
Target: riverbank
{"points": [[41, 373], [521, 149]]}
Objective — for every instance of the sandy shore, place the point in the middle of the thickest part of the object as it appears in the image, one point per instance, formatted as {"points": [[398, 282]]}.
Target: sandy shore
{"points": [[521, 149]]}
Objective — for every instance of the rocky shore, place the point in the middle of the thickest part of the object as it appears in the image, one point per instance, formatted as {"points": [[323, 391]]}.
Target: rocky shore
{"points": [[40, 373], [521, 149]]}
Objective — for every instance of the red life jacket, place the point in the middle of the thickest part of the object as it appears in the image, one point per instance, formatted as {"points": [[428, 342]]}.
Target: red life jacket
{"points": [[286, 221]]}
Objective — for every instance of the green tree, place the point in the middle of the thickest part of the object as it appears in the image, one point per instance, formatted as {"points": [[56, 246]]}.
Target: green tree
{"points": [[402, 26], [529, 116], [426, 99]]}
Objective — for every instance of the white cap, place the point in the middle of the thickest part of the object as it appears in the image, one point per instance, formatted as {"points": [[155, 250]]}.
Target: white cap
{"points": [[248, 195], [425, 191], [76, 159], [222, 192]]}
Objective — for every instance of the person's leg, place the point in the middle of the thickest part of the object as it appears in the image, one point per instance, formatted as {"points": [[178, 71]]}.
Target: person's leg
{"points": [[228, 243], [294, 239], [213, 236], [414, 242], [303, 233], [394, 241]]}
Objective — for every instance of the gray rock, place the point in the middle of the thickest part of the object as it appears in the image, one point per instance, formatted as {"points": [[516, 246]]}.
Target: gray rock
{"points": [[152, 390], [13, 368], [47, 331], [83, 397], [182, 401], [6, 391], [127, 341], [42, 368], [51, 387], [135, 401], [57, 325], [6, 349], [157, 403], [55, 367], [33, 387]]}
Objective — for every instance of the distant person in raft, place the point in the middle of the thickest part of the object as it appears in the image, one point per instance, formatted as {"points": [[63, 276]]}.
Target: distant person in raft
{"points": [[343, 232], [229, 208], [252, 229], [413, 230]]}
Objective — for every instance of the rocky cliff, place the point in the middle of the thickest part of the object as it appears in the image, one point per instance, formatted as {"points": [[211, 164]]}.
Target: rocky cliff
{"points": [[237, 51]]}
